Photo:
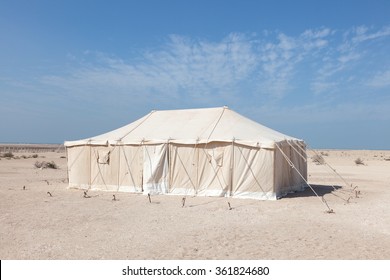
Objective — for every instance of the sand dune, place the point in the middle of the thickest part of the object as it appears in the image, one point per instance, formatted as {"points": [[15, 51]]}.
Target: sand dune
{"points": [[35, 225]]}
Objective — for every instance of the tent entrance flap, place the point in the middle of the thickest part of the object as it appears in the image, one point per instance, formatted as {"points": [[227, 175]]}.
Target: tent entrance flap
{"points": [[155, 169]]}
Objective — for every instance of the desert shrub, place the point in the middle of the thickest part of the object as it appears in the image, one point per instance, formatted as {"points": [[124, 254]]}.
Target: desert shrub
{"points": [[324, 154], [359, 161], [45, 164], [8, 155], [34, 156], [318, 159], [38, 164], [51, 165]]}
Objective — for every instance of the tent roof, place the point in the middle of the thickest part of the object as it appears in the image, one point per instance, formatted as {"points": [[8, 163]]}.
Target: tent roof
{"points": [[192, 126]]}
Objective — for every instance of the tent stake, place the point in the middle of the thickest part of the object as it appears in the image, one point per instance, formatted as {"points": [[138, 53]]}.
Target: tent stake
{"points": [[150, 199], [183, 202], [49, 194], [357, 193], [114, 199], [86, 195], [230, 208]]}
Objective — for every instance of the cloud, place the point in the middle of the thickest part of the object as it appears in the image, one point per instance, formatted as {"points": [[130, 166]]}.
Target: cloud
{"points": [[182, 66], [362, 34], [320, 75], [342, 59], [240, 67], [380, 80], [193, 67]]}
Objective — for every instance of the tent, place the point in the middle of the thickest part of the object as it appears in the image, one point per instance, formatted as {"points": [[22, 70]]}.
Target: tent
{"points": [[199, 152]]}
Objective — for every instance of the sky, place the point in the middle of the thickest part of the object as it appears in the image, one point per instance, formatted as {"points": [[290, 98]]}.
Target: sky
{"points": [[315, 70]]}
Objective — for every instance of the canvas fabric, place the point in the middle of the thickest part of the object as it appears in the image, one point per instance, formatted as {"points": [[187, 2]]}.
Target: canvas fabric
{"points": [[203, 152]]}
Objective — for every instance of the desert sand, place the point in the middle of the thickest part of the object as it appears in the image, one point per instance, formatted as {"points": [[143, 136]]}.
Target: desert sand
{"points": [[35, 225]]}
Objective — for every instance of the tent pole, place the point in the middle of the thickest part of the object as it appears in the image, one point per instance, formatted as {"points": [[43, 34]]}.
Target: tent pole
{"points": [[67, 164], [119, 165], [231, 170], [169, 167], [90, 166], [197, 167]]}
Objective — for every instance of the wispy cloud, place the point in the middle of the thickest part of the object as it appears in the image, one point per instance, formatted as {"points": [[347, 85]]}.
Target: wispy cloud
{"points": [[343, 59], [380, 80], [181, 67], [270, 67], [319, 75], [199, 67], [362, 33]]}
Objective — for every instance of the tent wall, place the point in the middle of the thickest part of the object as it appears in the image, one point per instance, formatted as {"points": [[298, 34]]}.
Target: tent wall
{"points": [[183, 169], [202, 170], [123, 171], [79, 166], [253, 172], [287, 178], [114, 168], [131, 168], [212, 169], [298, 158], [104, 167]]}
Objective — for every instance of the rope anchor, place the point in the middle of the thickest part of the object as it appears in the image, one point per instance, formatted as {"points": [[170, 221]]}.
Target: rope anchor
{"points": [[357, 193], [150, 199], [183, 202]]}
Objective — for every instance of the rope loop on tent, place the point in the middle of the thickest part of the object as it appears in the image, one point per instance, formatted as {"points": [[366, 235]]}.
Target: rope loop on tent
{"points": [[322, 199]]}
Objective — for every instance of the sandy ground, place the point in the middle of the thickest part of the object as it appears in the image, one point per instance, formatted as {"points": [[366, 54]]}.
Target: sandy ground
{"points": [[34, 225]]}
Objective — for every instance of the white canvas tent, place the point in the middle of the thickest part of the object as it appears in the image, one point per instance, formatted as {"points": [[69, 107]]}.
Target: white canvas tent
{"points": [[208, 152]]}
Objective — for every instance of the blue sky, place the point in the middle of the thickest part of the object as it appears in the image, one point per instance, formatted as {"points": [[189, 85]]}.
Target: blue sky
{"points": [[315, 70]]}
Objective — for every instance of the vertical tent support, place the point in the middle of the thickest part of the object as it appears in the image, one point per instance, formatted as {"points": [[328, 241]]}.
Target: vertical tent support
{"points": [[231, 170], [90, 165], [197, 166], [119, 166], [67, 167]]}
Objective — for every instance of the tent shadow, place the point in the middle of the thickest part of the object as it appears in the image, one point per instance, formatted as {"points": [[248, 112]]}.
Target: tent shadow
{"points": [[321, 190]]}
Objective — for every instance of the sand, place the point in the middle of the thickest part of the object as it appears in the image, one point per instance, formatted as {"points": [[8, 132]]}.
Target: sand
{"points": [[35, 225]]}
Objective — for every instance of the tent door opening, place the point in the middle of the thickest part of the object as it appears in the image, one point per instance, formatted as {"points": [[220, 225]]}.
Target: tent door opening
{"points": [[155, 169]]}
